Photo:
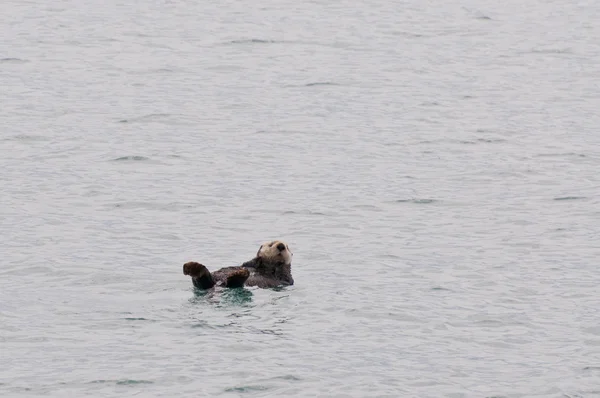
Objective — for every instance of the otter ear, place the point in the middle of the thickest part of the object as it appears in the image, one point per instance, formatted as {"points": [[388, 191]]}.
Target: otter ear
{"points": [[259, 249]]}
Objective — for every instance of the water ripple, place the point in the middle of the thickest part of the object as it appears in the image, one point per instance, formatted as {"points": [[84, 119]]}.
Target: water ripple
{"points": [[433, 169]]}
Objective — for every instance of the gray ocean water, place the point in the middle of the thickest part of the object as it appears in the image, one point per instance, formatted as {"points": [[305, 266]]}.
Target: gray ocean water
{"points": [[434, 167]]}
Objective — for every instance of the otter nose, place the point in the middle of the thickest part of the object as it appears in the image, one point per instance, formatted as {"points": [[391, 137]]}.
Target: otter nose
{"points": [[281, 247]]}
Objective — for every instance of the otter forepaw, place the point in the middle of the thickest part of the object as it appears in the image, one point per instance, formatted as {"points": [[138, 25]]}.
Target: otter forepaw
{"points": [[237, 278], [194, 269]]}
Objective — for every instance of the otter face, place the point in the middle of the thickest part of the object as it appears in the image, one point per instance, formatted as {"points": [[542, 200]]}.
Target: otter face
{"points": [[275, 251]]}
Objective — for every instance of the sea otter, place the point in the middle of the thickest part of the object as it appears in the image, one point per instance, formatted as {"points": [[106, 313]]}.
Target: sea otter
{"points": [[271, 267]]}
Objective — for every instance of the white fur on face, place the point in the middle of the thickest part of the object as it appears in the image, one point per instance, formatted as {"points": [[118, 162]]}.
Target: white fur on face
{"points": [[269, 251]]}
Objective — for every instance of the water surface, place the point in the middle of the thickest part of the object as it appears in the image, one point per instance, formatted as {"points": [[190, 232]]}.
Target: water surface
{"points": [[433, 167]]}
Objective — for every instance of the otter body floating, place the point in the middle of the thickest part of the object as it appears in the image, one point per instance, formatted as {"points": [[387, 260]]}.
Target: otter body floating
{"points": [[272, 267]]}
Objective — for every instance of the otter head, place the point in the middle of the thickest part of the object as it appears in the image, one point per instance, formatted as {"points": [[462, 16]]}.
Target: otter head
{"points": [[275, 252]]}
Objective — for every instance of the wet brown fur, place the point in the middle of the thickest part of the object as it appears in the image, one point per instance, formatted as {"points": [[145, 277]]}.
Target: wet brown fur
{"points": [[270, 268], [226, 277]]}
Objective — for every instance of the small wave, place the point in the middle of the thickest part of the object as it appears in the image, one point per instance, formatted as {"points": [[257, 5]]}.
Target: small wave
{"points": [[367, 207], [430, 103], [289, 42], [550, 155], [490, 140], [174, 206], [146, 118], [570, 198], [260, 387], [25, 137], [121, 382], [477, 14], [482, 141], [264, 331], [287, 377], [306, 212], [252, 41], [131, 158], [13, 61], [287, 132], [551, 51], [137, 319], [321, 84], [406, 34], [200, 325], [388, 255], [247, 389], [473, 141], [131, 382], [417, 201]]}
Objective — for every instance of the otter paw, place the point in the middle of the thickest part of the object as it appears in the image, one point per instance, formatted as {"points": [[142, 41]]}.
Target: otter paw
{"points": [[194, 269], [237, 278]]}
